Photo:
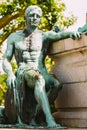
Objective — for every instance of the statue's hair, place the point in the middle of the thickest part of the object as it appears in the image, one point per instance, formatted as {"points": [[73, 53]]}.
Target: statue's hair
{"points": [[32, 7]]}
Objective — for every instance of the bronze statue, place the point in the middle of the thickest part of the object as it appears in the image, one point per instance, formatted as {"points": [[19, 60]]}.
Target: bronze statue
{"points": [[32, 88]]}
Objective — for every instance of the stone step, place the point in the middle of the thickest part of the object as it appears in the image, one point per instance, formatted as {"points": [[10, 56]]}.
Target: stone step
{"points": [[44, 129]]}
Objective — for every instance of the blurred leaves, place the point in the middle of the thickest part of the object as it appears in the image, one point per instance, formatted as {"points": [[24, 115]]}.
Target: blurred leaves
{"points": [[49, 63], [3, 88], [12, 15]]}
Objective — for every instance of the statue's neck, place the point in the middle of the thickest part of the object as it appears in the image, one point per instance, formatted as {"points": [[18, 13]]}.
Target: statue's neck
{"points": [[29, 31]]}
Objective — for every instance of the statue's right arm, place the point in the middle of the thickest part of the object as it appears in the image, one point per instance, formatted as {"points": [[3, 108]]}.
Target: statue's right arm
{"points": [[6, 62]]}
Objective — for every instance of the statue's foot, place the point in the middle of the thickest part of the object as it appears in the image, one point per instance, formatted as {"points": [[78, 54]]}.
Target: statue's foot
{"points": [[53, 124], [20, 125], [19, 121], [33, 122]]}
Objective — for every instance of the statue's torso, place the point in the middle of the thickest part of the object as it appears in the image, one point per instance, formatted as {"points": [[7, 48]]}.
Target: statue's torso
{"points": [[28, 49]]}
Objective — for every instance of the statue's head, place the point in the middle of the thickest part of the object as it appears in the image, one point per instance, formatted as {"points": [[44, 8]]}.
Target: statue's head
{"points": [[33, 15], [31, 9]]}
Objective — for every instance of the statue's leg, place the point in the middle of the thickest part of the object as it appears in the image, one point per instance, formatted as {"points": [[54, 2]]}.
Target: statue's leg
{"points": [[42, 99], [53, 86], [18, 96], [37, 82]]}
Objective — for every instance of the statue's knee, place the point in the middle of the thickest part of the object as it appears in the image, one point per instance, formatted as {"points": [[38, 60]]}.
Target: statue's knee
{"points": [[40, 81]]}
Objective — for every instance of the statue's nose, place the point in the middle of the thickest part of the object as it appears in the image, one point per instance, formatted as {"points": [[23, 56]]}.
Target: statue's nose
{"points": [[35, 16]]}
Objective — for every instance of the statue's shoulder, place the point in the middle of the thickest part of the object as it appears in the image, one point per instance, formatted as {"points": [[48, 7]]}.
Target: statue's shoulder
{"points": [[18, 34], [47, 34], [13, 37]]}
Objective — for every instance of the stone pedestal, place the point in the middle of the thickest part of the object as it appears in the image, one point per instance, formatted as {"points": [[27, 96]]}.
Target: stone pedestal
{"points": [[70, 58]]}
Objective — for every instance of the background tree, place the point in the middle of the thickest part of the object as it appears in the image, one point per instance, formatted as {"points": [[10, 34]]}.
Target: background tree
{"points": [[12, 19], [12, 15]]}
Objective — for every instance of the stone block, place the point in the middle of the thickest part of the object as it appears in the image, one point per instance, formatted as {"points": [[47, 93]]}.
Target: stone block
{"points": [[70, 67], [72, 96], [74, 119], [68, 45]]}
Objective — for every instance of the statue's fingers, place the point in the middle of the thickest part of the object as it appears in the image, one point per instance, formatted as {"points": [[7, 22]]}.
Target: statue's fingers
{"points": [[79, 35]]}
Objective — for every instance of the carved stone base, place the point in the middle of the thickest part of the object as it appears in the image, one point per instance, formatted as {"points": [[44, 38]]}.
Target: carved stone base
{"points": [[71, 67]]}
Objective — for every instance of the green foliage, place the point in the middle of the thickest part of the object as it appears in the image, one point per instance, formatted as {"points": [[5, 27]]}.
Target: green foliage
{"points": [[9, 8], [14, 66], [49, 63], [13, 11], [3, 88]]}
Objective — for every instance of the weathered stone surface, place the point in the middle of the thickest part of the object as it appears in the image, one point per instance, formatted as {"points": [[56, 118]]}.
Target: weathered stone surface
{"points": [[70, 66], [46, 129], [72, 119], [72, 96], [72, 105], [68, 45], [70, 58]]}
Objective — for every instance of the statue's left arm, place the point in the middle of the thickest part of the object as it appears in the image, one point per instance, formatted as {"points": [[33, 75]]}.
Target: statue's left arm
{"points": [[53, 36]]}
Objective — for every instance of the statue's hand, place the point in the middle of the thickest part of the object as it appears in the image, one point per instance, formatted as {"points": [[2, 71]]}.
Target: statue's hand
{"points": [[75, 35], [85, 33], [11, 81]]}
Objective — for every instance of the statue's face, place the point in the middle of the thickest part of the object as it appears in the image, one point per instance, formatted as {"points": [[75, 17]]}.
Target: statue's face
{"points": [[33, 18]]}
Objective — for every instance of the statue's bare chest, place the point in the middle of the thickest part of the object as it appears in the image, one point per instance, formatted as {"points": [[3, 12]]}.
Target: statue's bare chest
{"points": [[30, 43]]}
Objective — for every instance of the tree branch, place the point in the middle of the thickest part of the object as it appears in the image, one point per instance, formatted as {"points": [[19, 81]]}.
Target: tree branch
{"points": [[6, 19]]}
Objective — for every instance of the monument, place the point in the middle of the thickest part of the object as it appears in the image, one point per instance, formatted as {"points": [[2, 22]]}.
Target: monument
{"points": [[31, 89]]}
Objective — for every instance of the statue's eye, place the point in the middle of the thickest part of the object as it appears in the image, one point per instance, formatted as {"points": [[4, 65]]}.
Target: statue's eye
{"points": [[34, 15], [38, 16], [31, 15]]}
